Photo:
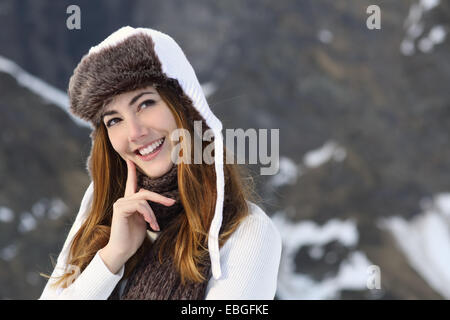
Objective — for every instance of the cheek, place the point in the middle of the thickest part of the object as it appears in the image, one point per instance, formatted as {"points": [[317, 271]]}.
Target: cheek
{"points": [[162, 120], [169, 121], [118, 143], [170, 126]]}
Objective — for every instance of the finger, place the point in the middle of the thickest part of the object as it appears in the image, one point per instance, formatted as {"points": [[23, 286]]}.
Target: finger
{"points": [[153, 196], [129, 208], [131, 184], [149, 215]]}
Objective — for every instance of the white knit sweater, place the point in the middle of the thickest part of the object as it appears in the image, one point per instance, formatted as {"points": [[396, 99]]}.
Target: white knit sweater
{"points": [[249, 260]]}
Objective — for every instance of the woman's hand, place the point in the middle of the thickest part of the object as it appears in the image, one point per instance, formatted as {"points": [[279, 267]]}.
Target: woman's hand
{"points": [[128, 227]]}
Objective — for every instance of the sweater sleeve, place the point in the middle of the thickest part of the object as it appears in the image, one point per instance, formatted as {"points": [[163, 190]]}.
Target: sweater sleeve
{"points": [[96, 282], [249, 261]]}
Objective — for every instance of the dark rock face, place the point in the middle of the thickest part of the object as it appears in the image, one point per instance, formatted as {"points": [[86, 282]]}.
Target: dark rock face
{"points": [[43, 179], [309, 68]]}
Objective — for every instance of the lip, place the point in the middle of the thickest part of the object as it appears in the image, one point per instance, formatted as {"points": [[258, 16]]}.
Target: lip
{"points": [[145, 146], [152, 155]]}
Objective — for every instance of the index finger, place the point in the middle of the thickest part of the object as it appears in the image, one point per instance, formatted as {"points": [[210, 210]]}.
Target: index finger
{"points": [[131, 185]]}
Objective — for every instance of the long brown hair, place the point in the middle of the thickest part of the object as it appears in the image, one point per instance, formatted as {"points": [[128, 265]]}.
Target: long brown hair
{"points": [[186, 239]]}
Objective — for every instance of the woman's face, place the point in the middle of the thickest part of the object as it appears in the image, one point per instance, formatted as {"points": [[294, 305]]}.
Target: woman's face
{"points": [[137, 122]]}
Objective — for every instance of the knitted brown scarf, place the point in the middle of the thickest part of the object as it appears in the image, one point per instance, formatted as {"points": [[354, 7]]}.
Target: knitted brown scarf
{"points": [[151, 280]]}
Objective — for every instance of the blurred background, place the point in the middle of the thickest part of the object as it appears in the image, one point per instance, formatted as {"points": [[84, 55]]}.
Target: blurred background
{"points": [[363, 190]]}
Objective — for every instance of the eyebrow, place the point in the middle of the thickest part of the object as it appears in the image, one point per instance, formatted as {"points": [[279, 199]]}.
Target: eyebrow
{"points": [[110, 112]]}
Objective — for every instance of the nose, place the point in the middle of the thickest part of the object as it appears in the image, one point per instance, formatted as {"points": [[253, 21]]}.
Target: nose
{"points": [[136, 131]]}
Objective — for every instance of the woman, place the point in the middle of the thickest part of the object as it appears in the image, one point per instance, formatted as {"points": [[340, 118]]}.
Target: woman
{"points": [[150, 227]]}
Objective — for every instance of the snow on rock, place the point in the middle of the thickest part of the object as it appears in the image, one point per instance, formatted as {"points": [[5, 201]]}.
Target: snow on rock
{"points": [[442, 203], [39, 208], [52, 208], [39, 87], [45, 208], [289, 171], [208, 88], [287, 175], [8, 253], [57, 208], [325, 36], [425, 241], [414, 26], [352, 273], [6, 214], [437, 34], [429, 4], [329, 151], [27, 222]]}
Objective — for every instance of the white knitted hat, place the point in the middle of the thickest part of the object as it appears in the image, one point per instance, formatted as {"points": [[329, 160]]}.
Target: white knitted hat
{"points": [[173, 64]]}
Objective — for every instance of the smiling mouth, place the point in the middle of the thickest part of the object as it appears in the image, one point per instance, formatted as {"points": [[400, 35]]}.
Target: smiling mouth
{"points": [[155, 146]]}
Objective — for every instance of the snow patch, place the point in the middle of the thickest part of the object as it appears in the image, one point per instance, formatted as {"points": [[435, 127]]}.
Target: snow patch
{"points": [[442, 203], [52, 209], [39, 87], [208, 88], [325, 36], [287, 175], [429, 4], [415, 28], [6, 214], [352, 273], [8, 253], [56, 209], [27, 222], [329, 151], [425, 241]]}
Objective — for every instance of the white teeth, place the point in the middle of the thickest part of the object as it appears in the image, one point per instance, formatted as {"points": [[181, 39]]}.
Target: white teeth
{"points": [[150, 148]]}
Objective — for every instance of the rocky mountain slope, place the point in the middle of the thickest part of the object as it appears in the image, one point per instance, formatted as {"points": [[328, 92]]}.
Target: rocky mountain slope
{"points": [[363, 118]]}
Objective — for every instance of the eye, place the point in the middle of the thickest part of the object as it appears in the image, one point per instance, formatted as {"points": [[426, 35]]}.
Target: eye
{"points": [[147, 102], [110, 123]]}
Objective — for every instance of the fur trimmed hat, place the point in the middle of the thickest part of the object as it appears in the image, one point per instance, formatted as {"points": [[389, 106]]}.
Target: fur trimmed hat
{"points": [[130, 59]]}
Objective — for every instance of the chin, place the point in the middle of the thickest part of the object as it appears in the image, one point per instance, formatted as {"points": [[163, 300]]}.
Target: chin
{"points": [[156, 170]]}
